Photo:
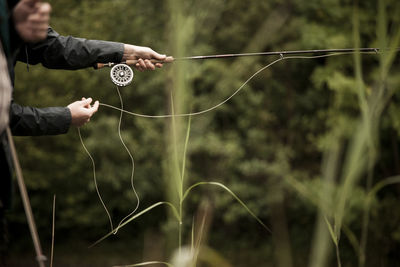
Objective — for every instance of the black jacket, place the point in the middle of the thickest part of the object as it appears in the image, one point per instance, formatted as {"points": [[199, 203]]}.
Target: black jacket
{"points": [[56, 52]]}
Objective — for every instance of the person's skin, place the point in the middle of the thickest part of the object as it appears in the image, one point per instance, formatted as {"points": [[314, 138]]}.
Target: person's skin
{"points": [[82, 111], [143, 55], [31, 20]]}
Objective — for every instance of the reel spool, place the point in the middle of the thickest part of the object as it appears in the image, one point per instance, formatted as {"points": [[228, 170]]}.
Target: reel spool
{"points": [[121, 74]]}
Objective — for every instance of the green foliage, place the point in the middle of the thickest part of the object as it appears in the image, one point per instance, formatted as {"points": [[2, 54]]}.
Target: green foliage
{"points": [[283, 144]]}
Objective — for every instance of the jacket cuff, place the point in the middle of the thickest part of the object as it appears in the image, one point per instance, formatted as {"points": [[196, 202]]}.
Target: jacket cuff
{"points": [[108, 51], [67, 122]]}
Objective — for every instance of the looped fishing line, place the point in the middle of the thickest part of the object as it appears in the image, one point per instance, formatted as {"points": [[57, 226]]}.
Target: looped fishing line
{"points": [[122, 110], [114, 230], [282, 57], [94, 178], [132, 161]]}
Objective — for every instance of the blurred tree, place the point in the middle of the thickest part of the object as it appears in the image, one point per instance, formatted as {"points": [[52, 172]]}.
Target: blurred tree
{"points": [[279, 126]]}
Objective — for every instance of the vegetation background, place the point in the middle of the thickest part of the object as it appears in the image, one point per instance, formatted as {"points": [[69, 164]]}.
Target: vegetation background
{"points": [[308, 144]]}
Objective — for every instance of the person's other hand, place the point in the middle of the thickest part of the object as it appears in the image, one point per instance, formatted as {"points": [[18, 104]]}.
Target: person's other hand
{"points": [[31, 20], [143, 55], [82, 111]]}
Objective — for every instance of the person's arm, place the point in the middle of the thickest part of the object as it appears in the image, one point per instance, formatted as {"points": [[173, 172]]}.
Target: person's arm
{"points": [[30, 121], [67, 52]]}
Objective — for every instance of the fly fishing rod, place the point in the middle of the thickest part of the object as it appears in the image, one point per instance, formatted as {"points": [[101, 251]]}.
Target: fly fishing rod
{"points": [[122, 75]]}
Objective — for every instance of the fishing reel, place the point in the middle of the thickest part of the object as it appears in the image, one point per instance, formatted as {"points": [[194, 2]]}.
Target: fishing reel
{"points": [[121, 74]]}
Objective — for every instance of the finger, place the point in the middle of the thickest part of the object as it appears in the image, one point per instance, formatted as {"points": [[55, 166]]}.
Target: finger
{"points": [[96, 105], [142, 64], [87, 101], [159, 65], [138, 67], [94, 108], [156, 55], [148, 64]]}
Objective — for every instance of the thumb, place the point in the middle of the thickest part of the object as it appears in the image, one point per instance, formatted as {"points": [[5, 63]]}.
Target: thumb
{"points": [[158, 56], [94, 108]]}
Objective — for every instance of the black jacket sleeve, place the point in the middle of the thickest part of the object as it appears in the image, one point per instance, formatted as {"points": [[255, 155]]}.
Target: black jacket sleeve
{"points": [[58, 52], [29, 121], [70, 53]]}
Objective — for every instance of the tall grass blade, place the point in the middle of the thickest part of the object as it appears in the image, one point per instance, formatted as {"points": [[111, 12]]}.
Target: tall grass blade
{"points": [[174, 210], [199, 240], [233, 195], [175, 148], [357, 155], [192, 238], [382, 184], [185, 149], [335, 241], [333, 235], [352, 238], [303, 191]]}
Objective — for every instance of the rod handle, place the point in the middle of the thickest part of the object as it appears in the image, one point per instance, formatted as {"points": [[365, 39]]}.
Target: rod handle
{"points": [[168, 59]]}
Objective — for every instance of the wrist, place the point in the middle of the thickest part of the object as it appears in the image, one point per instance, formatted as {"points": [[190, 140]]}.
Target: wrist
{"points": [[128, 52]]}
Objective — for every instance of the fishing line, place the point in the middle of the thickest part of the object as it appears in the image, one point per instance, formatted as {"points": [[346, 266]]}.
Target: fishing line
{"points": [[122, 110], [132, 161], [234, 93], [114, 230], [94, 178]]}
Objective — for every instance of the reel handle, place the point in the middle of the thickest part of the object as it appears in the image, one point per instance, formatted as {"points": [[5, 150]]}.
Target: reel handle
{"points": [[168, 59]]}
